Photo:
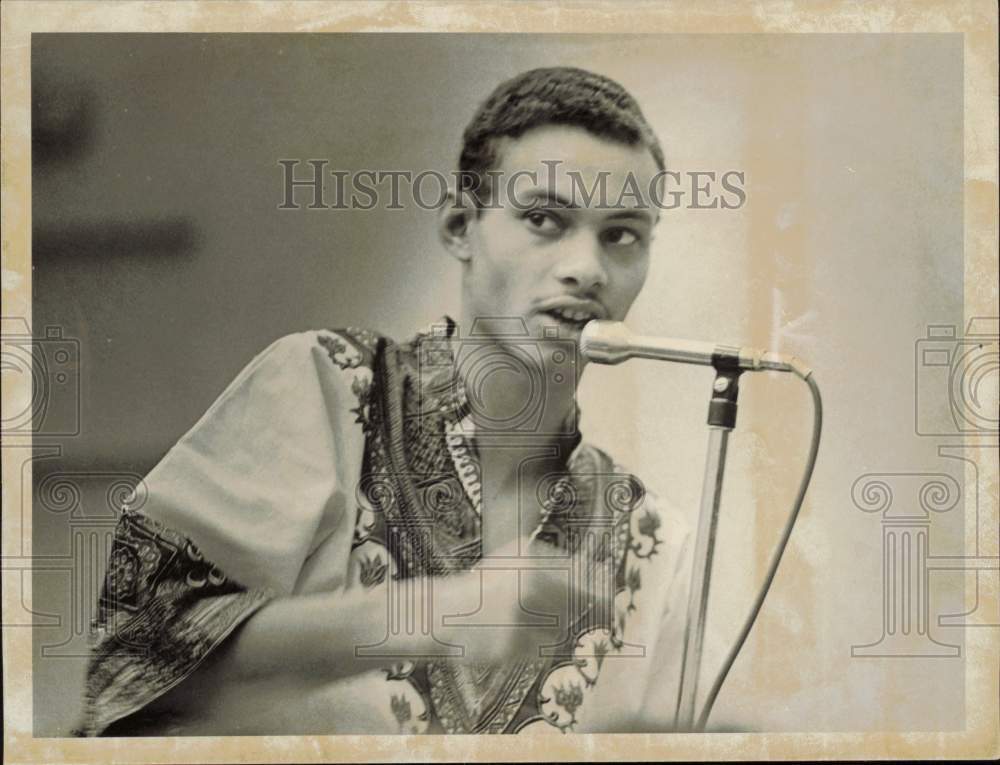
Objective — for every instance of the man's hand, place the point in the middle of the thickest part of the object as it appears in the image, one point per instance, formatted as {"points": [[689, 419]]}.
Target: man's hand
{"points": [[519, 603]]}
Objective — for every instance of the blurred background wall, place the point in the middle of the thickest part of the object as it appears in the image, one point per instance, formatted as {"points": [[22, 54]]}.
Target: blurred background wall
{"points": [[159, 247]]}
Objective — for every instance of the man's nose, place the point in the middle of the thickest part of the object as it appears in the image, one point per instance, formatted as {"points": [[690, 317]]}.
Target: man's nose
{"points": [[581, 264]]}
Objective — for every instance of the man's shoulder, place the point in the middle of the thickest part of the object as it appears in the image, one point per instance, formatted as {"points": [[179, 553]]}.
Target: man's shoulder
{"points": [[350, 350], [334, 364], [346, 347], [327, 351]]}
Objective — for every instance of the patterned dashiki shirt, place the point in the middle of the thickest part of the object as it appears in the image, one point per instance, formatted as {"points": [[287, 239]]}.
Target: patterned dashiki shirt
{"points": [[291, 484]]}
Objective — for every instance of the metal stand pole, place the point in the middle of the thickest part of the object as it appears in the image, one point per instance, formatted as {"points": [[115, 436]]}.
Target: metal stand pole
{"points": [[721, 420]]}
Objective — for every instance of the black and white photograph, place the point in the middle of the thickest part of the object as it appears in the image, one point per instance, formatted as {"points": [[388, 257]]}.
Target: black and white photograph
{"points": [[364, 378]]}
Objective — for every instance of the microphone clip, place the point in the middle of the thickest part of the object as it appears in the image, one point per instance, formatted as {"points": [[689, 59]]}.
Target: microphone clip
{"points": [[725, 392]]}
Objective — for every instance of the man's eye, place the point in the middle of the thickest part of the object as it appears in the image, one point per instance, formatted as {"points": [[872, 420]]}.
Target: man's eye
{"points": [[542, 222], [621, 237]]}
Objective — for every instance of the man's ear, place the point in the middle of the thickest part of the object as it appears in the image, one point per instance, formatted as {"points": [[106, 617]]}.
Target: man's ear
{"points": [[455, 220]]}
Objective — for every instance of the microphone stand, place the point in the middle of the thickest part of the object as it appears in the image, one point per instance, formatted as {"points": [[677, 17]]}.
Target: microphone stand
{"points": [[721, 421]]}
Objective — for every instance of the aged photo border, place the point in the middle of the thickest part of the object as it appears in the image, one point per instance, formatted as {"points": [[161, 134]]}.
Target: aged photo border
{"points": [[976, 20]]}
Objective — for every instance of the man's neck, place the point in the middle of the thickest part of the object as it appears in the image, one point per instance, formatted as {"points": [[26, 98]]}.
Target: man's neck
{"points": [[518, 387]]}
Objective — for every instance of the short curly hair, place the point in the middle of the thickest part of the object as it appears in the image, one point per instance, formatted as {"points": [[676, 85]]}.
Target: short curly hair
{"points": [[549, 96]]}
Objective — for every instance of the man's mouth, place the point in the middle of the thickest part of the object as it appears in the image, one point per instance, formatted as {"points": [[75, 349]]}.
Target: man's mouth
{"points": [[569, 318]]}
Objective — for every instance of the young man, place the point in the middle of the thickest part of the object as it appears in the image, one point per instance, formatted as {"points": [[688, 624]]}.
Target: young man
{"points": [[368, 537]]}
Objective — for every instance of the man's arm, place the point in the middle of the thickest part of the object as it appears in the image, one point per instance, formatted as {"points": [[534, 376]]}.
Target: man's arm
{"points": [[287, 652], [224, 524], [288, 649]]}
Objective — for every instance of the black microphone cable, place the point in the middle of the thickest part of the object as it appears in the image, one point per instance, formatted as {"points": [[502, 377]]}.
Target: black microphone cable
{"points": [[807, 376]]}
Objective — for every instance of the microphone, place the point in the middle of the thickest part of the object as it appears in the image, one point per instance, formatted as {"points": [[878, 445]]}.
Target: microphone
{"points": [[611, 342]]}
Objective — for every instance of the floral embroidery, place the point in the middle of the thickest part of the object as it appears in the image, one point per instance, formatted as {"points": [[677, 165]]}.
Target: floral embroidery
{"points": [[633, 582], [569, 699], [401, 710], [648, 525], [337, 349], [618, 632], [601, 649], [373, 571], [399, 670], [364, 526], [401, 706], [361, 388]]}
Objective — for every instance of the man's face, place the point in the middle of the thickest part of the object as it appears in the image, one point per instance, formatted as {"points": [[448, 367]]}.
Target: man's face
{"points": [[545, 253]]}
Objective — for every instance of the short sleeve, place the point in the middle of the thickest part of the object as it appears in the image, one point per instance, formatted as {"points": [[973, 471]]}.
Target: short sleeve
{"points": [[163, 609], [226, 520], [271, 467]]}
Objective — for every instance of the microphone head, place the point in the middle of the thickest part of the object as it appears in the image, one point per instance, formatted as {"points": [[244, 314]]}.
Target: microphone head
{"points": [[606, 342]]}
